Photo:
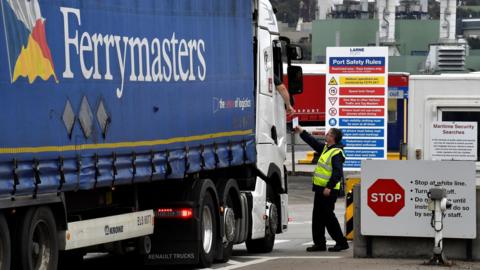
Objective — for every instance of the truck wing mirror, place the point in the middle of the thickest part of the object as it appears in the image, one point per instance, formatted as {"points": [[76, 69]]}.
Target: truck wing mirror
{"points": [[294, 52], [295, 80]]}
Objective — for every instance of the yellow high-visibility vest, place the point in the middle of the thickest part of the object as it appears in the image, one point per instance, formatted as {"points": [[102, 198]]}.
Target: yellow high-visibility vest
{"points": [[323, 171]]}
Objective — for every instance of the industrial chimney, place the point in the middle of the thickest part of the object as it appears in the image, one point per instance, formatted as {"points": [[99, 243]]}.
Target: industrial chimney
{"points": [[386, 25]]}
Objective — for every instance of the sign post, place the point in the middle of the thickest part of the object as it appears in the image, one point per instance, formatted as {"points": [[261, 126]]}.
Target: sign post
{"points": [[394, 197], [356, 101]]}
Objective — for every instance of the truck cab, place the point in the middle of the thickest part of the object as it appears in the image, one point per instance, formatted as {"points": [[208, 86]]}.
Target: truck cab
{"points": [[271, 130]]}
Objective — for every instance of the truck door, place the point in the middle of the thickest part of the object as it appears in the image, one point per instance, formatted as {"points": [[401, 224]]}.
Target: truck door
{"points": [[266, 121], [271, 127], [279, 109]]}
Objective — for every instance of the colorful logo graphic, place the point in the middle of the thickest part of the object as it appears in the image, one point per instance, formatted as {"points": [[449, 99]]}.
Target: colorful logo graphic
{"points": [[28, 51]]}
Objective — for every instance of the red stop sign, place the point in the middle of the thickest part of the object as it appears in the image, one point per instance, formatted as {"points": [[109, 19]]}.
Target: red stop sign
{"points": [[386, 197]]}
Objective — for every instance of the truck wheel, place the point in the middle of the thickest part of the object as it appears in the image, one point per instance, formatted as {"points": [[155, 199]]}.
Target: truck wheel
{"points": [[230, 226], [265, 245], [208, 231], [5, 251], [37, 240]]}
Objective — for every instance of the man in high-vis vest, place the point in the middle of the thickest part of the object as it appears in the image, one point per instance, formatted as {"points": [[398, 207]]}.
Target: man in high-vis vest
{"points": [[326, 185]]}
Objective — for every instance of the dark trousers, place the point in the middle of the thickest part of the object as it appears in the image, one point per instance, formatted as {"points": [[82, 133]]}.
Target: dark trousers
{"points": [[324, 217]]}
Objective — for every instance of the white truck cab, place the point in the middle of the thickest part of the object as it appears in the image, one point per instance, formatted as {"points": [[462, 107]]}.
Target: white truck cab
{"points": [[271, 131]]}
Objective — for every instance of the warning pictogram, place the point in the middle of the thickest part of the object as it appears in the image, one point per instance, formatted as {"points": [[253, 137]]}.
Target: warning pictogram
{"points": [[332, 100], [332, 81], [332, 111], [333, 91]]}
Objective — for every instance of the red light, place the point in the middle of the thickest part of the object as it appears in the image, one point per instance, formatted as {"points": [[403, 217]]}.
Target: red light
{"points": [[183, 213], [186, 213]]}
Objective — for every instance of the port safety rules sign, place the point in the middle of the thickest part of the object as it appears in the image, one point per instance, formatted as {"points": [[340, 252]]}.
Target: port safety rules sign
{"points": [[357, 99]]}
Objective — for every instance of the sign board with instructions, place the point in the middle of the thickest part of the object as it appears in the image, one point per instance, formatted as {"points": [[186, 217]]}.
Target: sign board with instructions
{"points": [[453, 141], [356, 101], [394, 197]]}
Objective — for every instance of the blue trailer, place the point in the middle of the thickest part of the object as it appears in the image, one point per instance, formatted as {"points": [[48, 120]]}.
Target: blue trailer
{"points": [[117, 113]]}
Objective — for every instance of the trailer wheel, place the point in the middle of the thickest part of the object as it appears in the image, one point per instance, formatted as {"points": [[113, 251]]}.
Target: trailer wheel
{"points": [[265, 245], [208, 231], [230, 226], [5, 251], [37, 240]]}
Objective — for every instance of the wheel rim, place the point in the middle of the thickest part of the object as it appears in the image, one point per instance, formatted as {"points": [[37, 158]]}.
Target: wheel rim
{"points": [[273, 219], [207, 222], [229, 220], [41, 247]]}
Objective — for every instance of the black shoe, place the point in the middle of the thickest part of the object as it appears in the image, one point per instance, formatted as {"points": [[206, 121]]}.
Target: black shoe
{"points": [[316, 248], [338, 247]]}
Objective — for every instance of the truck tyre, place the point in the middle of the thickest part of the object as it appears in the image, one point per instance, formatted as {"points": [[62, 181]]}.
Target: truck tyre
{"points": [[37, 240], [229, 217], [229, 193], [208, 231], [265, 245], [5, 250]]}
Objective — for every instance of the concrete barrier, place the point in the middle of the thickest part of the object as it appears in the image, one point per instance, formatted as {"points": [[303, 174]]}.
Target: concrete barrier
{"points": [[411, 247]]}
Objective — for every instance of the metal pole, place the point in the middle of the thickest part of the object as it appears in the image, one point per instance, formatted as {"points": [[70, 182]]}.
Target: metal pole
{"points": [[293, 151]]}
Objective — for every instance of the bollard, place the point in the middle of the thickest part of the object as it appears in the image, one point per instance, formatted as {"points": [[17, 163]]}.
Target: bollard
{"points": [[351, 181], [349, 215]]}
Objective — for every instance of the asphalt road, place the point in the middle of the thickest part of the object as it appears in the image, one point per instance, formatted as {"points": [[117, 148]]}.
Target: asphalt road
{"points": [[289, 251]]}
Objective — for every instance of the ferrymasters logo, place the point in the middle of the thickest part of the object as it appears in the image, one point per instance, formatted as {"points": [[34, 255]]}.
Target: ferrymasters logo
{"points": [[28, 52], [111, 56], [96, 56]]}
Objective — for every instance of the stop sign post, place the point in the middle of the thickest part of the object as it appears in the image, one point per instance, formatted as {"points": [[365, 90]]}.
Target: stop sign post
{"points": [[386, 197], [394, 199]]}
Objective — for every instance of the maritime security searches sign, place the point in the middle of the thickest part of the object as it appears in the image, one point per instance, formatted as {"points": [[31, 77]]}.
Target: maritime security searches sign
{"points": [[453, 141], [357, 101], [394, 197]]}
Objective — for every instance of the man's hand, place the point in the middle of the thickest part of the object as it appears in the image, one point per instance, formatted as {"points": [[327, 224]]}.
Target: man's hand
{"points": [[298, 129], [290, 109], [326, 192]]}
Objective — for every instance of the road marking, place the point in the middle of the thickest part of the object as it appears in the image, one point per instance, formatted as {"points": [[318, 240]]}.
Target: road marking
{"points": [[299, 222], [234, 262], [282, 241], [309, 257], [329, 243], [257, 261], [293, 257]]}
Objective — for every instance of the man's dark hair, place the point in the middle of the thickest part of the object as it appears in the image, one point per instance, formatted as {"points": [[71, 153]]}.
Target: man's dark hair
{"points": [[337, 134]]}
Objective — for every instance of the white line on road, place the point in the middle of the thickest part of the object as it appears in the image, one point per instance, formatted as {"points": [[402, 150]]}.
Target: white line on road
{"points": [[309, 257], [243, 264], [299, 222], [282, 241], [234, 262], [294, 257], [259, 260], [329, 243]]}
